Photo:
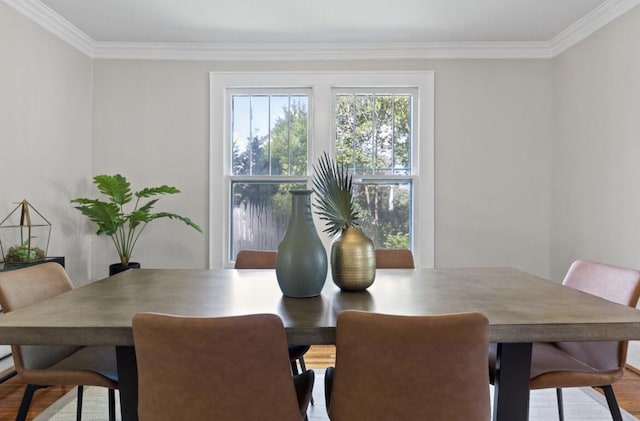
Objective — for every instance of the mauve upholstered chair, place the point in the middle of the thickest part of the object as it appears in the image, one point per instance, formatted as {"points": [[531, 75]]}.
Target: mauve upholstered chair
{"points": [[204, 368], [585, 364], [45, 365], [409, 368]]}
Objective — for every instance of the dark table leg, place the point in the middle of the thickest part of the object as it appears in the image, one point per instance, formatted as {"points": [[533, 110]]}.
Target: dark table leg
{"points": [[128, 382], [511, 392]]}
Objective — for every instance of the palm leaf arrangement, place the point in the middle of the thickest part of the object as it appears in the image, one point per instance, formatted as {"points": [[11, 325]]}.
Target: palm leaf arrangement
{"points": [[112, 219], [332, 185]]}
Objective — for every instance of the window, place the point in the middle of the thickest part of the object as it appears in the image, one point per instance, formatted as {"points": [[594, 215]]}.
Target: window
{"points": [[269, 156], [374, 138], [267, 131]]}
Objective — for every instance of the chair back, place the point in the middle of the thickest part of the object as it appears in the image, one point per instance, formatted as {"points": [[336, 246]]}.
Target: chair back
{"points": [[254, 259], [394, 259], [620, 285], [410, 367], [29, 285], [210, 368]]}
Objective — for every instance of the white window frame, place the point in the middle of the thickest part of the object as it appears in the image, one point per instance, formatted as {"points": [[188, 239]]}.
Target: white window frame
{"points": [[321, 138]]}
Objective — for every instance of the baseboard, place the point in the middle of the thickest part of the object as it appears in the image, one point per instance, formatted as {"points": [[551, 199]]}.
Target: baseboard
{"points": [[633, 369], [633, 353]]}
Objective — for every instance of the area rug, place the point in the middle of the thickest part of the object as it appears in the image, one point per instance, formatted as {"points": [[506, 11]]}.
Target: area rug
{"points": [[580, 404]]}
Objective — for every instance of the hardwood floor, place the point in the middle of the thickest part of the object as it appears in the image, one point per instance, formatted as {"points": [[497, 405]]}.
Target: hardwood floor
{"points": [[627, 390], [11, 392]]}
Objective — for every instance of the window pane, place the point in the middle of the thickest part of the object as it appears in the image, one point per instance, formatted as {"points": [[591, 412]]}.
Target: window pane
{"points": [[259, 140], [240, 132], [260, 214], [345, 124], [383, 118], [402, 134], [279, 130], [363, 134], [298, 135], [373, 133], [269, 134], [385, 211]]}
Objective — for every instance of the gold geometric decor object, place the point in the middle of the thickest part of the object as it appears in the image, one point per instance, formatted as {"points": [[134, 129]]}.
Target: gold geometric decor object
{"points": [[24, 235]]}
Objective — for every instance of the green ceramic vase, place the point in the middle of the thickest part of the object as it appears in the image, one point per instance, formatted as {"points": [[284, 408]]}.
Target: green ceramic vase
{"points": [[301, 263]]}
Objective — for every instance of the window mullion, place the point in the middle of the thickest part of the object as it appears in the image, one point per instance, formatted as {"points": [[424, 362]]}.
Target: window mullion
{"points": [[374, 133], [269, 160], [353, 130], [289, 119], [250, 134], [393, 134]]}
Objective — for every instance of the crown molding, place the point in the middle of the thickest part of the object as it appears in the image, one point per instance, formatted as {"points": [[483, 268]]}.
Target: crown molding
{"points": [[589, 24], [333, 51], [54, 23], [65, 30]]}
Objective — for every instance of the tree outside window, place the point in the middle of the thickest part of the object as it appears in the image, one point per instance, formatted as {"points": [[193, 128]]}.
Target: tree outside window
{"points": [[270, 149]]}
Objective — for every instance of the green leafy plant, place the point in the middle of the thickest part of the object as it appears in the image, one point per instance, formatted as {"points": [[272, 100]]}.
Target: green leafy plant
{"points": [[332, 185], [123, 227]]}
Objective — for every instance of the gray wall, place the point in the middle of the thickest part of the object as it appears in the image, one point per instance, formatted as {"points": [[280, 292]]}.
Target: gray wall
{"points": [[596, 151], [596, 148], [45, 132], [522, 147], [492, 149]]}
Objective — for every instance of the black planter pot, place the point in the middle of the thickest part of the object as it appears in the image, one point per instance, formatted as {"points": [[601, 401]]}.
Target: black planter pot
{"points": [[119, 267]]}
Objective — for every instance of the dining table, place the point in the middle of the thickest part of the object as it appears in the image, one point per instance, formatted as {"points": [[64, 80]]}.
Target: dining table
{"points": [[521, 309]]}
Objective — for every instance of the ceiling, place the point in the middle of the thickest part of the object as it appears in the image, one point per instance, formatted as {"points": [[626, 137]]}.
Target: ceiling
{"points": [[198, 29], [322, 21]]}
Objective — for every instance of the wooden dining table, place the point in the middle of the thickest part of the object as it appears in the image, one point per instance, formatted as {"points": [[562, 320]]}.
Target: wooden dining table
{"points": [[521, 309]]}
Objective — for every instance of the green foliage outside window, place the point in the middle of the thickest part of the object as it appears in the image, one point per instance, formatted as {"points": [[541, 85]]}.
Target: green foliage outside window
{"points": [[373, 138]]}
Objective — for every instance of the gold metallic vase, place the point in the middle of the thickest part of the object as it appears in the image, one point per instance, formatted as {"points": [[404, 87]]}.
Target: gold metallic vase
{"points": [[353, 260]]}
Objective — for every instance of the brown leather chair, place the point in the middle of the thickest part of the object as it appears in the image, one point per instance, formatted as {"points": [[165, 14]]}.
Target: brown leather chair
{"points": [[394, 259], [41, 366], [409, 368], [197, 368], [585, 364], [254, 259]]}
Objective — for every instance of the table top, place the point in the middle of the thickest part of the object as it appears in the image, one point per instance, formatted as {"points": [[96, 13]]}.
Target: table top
{"points": [[520, 307]]}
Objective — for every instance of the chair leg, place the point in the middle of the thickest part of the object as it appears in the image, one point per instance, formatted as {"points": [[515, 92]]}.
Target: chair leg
{"points": [[328, 385], [112, 405], [560, 404], [79, 400], [26, 401], [294, 367], [303, 368], [612, 402]]}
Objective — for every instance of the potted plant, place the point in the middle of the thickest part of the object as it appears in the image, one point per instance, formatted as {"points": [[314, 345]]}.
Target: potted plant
{"points": [[124, 227], [353, 258]]}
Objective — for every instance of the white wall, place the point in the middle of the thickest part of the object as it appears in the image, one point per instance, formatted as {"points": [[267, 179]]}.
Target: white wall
{"points": [[536, 160], [45, 132], [151, 125], [492, 148], [149, 121], [493, 143], [596, 151]]}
